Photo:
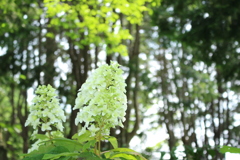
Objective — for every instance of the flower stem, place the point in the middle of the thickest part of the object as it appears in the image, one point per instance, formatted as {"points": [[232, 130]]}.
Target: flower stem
{"points": [[99, 145], [97, 148]]}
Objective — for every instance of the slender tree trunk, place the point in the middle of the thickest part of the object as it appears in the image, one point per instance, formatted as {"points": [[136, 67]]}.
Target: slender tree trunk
{"points": [[49, 68], [80, 68]]}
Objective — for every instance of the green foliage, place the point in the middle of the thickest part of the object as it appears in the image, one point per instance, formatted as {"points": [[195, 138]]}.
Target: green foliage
{"points": [[81, 147], [213, 40], [96, 21], [83, 137], [29, 39], [123, 153], [87, 143], [200, 74], [112, 140], [225, 149]]}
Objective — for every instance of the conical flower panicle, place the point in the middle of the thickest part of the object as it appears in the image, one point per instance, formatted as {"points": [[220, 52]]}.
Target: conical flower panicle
{"points": [[45, 112], [102, 100]]}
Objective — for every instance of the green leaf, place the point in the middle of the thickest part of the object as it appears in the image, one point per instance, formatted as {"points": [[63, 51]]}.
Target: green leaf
{"points": [[41, 136], [123, 150], [124, 153], [89, 156], [89, 144], [42, 149], [84, 137], [62, 156], [112, 140], [58, 149], [50, 35], [71, 145], [225, 149], [34, 157], [22, 77], [56, 153], [38, 154]]}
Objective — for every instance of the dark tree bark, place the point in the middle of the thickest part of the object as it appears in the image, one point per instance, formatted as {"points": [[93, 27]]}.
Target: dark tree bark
{"points": [[51, 56], [132, 93], [80, 67]]}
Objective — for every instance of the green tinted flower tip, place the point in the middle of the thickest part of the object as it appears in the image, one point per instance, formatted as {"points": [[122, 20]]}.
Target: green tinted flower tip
{"points": [[101, 100], [46, 113]]}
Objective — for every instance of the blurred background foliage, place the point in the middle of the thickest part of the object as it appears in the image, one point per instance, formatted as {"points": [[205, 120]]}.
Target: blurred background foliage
{"points": [[181, 61]]}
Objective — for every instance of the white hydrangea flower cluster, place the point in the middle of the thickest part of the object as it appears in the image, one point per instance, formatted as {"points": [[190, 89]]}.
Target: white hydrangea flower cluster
{"points": [[102, 100], [45, 111]]}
